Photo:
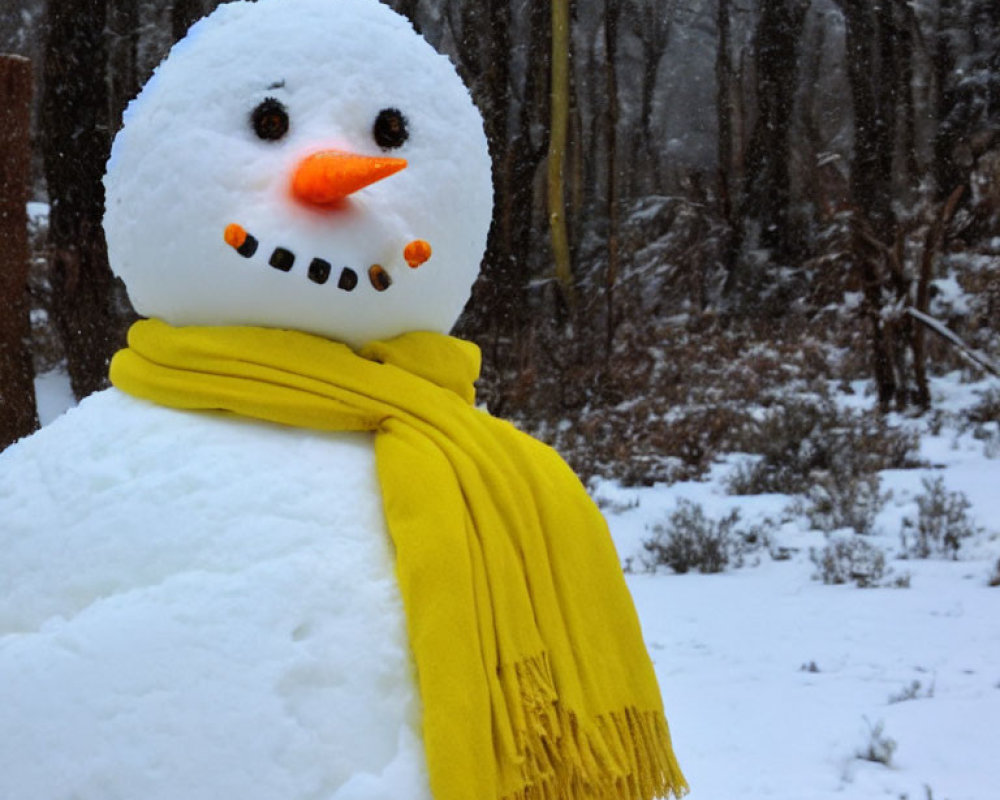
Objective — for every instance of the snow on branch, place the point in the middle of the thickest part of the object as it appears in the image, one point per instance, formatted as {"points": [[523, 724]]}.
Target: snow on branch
{"points": [[979, 359]]}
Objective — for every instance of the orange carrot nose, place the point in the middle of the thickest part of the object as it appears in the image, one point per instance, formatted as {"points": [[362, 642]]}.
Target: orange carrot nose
{"points": [[328, 176]]}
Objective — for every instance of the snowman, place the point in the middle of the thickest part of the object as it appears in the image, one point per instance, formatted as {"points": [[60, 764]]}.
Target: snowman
{"points": [[286, 556]]}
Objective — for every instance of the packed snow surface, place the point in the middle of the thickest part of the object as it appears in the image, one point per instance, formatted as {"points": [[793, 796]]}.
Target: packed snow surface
{"points": [[53, 395], [199, 606], [778, 686]]}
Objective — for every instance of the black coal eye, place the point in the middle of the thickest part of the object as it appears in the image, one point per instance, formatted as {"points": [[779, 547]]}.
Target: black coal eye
{"points": [[390, 129], [270, 120]]}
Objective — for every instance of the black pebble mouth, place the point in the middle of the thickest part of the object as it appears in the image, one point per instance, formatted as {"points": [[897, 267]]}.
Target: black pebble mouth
{"points": [[320, 270]]}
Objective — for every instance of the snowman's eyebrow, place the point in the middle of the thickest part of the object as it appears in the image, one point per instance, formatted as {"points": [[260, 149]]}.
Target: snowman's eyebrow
{"points": [[277, 85]]}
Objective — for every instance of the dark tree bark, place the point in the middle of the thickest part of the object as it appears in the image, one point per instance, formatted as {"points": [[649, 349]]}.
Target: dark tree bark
{"points": [[946, 169], [768, 194], [821, 179], [870, 185], [875, 112], [724, 121], [510, 267], [76, 139], [515, 109], [870, 44], [123, 42], [907, 31], [17, 390], [484, 61], [183, 15], [612, 13]]}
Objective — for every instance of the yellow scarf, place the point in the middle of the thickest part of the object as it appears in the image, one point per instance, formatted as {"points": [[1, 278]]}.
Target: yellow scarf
{"points": [[531, 665]]}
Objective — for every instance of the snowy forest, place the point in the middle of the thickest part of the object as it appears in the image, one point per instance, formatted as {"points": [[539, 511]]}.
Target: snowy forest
{"points": [[695, 203]]}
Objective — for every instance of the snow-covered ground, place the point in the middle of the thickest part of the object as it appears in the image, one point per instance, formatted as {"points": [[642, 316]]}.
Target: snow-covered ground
{"points": [[777, 686]]}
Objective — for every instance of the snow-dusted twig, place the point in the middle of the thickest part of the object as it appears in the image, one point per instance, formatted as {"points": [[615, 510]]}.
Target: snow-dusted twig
{"points": [[979, 359]]}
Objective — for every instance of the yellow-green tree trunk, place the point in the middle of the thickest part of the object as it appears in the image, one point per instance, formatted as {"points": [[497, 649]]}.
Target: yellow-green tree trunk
{"points": [[557, 147]]}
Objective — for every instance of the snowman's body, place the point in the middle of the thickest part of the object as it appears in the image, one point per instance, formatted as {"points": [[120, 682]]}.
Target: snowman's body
{"points": [[204, 607], [195, 605]]}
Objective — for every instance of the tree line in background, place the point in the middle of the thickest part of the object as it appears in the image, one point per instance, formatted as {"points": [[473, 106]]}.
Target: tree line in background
{"points": [[654, 161]]}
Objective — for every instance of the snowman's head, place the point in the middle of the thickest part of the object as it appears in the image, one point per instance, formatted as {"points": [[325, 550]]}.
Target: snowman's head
{"points": [[304, 164]]}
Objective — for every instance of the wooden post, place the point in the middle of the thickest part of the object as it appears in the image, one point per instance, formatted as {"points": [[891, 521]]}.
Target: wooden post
{"points": [[17, 389]]}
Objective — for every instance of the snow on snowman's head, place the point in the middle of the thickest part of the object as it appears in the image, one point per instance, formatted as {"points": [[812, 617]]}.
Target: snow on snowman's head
{"points": [[303, 164]]}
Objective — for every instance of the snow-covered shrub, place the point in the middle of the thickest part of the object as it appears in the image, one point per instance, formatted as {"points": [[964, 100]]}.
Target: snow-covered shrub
{"points": [[914, 691], [835, 502], [879, 748], [984, 420], [941, 525], [850, 559], [690, 540], [802, 439], [987, 409]]}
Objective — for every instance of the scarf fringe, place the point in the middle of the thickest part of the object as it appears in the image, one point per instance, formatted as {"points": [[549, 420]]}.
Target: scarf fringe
{"points": [[625, 755]]}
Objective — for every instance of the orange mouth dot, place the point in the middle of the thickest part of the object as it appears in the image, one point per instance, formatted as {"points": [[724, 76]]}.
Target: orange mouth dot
{"points": [[235, 235], [417, 252]]}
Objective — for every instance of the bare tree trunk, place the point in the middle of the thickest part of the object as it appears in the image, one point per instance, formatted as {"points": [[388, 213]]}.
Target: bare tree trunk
{"points": [[485, 47], [559, 112], [17, 389], [724, 116], [514, 101], [868, 254], [123, 42], [878, 138], [612, 12], [873, 220], [819, 185], [183, 15], [947, 171], [76, 141], [907, 31], [768, 194]]}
